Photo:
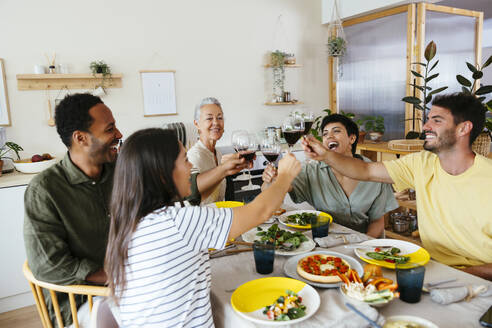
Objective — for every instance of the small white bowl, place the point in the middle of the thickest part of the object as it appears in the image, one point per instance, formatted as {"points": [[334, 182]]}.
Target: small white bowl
{"points": [[411, 319], [357, 301], [26, 166]]}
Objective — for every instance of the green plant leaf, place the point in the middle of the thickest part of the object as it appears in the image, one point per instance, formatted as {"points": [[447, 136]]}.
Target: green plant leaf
{"points": [[418, 63], [435, 64], [418, 87], [417, 74], [433, 92], [471, 67], [484, 90], [411, 100], [465, 90], [428, 99], [432, 77], [463, 80], [489, 103], [419, 107], [477, 75], [488, 62], [481, 99], [430, 51]]}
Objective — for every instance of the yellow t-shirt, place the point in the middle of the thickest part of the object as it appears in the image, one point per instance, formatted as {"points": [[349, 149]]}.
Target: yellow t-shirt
{"points": [[454, 212]]}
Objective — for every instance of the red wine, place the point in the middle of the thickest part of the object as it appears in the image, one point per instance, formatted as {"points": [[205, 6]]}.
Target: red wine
{"points": [[292, 136], [307, 126], [248, 156], [271, 157], [238, 149]]}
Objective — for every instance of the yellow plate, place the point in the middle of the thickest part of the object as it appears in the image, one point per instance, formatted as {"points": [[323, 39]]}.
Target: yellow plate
{"points": [[283, 218], [250, 298], [417, 254], [228, 204]]}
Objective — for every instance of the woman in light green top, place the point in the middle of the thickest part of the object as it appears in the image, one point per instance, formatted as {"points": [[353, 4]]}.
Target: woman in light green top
{"points": [[359, 205]]}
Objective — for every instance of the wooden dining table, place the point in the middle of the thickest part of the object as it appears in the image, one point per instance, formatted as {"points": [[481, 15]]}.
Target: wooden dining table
{"points": [[229, 272]]}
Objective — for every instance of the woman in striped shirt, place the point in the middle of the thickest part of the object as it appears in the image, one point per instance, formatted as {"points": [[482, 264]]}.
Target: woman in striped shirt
{"points": [[157, 257]]}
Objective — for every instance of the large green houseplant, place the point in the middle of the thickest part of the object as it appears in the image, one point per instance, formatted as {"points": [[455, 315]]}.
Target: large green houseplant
{"points": [[482, 143], [426, 91]]}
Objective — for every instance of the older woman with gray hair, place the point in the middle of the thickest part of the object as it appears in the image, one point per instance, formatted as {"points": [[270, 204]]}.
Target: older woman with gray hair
{"points": [[209, 120]]}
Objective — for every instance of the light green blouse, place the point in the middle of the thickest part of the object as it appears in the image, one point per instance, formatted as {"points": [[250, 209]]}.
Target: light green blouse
{"points": [[317, 185]]}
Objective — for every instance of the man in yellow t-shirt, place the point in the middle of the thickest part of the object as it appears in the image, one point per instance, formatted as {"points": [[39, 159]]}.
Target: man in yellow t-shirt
{"points": [[451, 181]]}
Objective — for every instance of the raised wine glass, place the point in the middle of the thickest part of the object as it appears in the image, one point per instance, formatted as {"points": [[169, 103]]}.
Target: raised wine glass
{"points": [[308, 122], [293, 129], [270, 148], [248, 152], [239, 142]]}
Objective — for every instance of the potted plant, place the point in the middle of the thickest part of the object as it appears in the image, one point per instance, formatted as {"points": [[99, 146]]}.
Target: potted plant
{"points": [[374, 126], [482, 144], [426, 91], [277, 58], [315, 129], [8, 147], [336, 46], [100, 67]]}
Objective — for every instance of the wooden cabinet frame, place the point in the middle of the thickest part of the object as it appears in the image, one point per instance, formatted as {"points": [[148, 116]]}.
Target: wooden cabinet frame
{"points": [[415, 44]]}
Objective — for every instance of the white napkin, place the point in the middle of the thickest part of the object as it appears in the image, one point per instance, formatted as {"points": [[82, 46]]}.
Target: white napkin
{"points": [[335, 240], [333, 313], [457, 294]]}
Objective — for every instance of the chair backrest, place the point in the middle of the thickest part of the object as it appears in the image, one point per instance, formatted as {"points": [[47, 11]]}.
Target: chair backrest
{"points": [[187, 133], [71, 290], [101, 316]]}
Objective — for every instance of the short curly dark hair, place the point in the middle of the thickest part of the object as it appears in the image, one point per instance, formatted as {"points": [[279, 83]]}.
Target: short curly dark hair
{"points": [[72, 114], [464, 107]]}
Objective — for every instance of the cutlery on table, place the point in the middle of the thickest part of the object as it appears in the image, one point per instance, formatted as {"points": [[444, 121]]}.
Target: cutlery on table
{"points": [[372, 322], [367, 246], [437, 285]]}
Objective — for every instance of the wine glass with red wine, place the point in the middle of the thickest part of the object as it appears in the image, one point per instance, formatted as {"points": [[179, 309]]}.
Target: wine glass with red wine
{"points": [[249, 153], [293, 129], [270, 148], [240, 143], [308, 122]]}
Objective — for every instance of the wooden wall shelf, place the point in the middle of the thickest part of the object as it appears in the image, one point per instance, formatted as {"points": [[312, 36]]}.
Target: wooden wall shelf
{"points": [[286, 65], [283, 103], [70, 81]]}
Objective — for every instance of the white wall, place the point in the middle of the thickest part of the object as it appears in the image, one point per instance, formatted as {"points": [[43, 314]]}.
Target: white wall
{"points": [[217, 48]]}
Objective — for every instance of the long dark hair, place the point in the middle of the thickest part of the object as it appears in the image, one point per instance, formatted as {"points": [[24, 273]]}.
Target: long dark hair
{"points": [[143, 183], [350, 126]]}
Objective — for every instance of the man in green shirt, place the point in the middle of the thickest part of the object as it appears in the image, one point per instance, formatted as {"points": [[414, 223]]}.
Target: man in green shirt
{"points": [[67, 206]]}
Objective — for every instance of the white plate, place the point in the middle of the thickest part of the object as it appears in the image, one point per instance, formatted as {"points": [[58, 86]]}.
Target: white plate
{"points": [[290, 267], [283, 218], [250, 237], [249, 299], [410, 318]]}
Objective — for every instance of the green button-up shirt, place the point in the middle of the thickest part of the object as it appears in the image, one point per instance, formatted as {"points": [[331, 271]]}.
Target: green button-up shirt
{"points": [[66, 226], [317, 185]]}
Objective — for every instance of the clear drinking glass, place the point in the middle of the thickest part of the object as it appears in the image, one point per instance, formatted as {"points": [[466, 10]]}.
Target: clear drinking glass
{"points": [[293, 129]]}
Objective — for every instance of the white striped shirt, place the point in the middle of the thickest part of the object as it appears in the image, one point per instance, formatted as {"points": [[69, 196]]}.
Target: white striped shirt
{"points": [[168, 271]]}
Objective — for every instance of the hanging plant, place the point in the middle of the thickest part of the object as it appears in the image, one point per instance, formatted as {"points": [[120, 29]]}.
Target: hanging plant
{"points": [[337, 46]]}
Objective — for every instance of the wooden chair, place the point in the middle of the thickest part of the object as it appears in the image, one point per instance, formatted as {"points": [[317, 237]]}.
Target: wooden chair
{"points": [[71, 290]]}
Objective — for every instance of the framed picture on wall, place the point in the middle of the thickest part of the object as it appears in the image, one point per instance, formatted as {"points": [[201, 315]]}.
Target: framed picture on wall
{"points": [[4, 98], [159, 92]]}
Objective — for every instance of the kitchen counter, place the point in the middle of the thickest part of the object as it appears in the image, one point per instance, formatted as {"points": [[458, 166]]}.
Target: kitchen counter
{"points": [[15, 179]]}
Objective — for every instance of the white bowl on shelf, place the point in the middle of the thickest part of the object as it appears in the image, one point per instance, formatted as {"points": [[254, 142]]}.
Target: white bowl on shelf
{"points": [[26, 166]]}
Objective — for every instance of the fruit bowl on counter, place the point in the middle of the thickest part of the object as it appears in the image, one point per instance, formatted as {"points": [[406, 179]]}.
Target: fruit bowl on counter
{"points": [[35, 164]]}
